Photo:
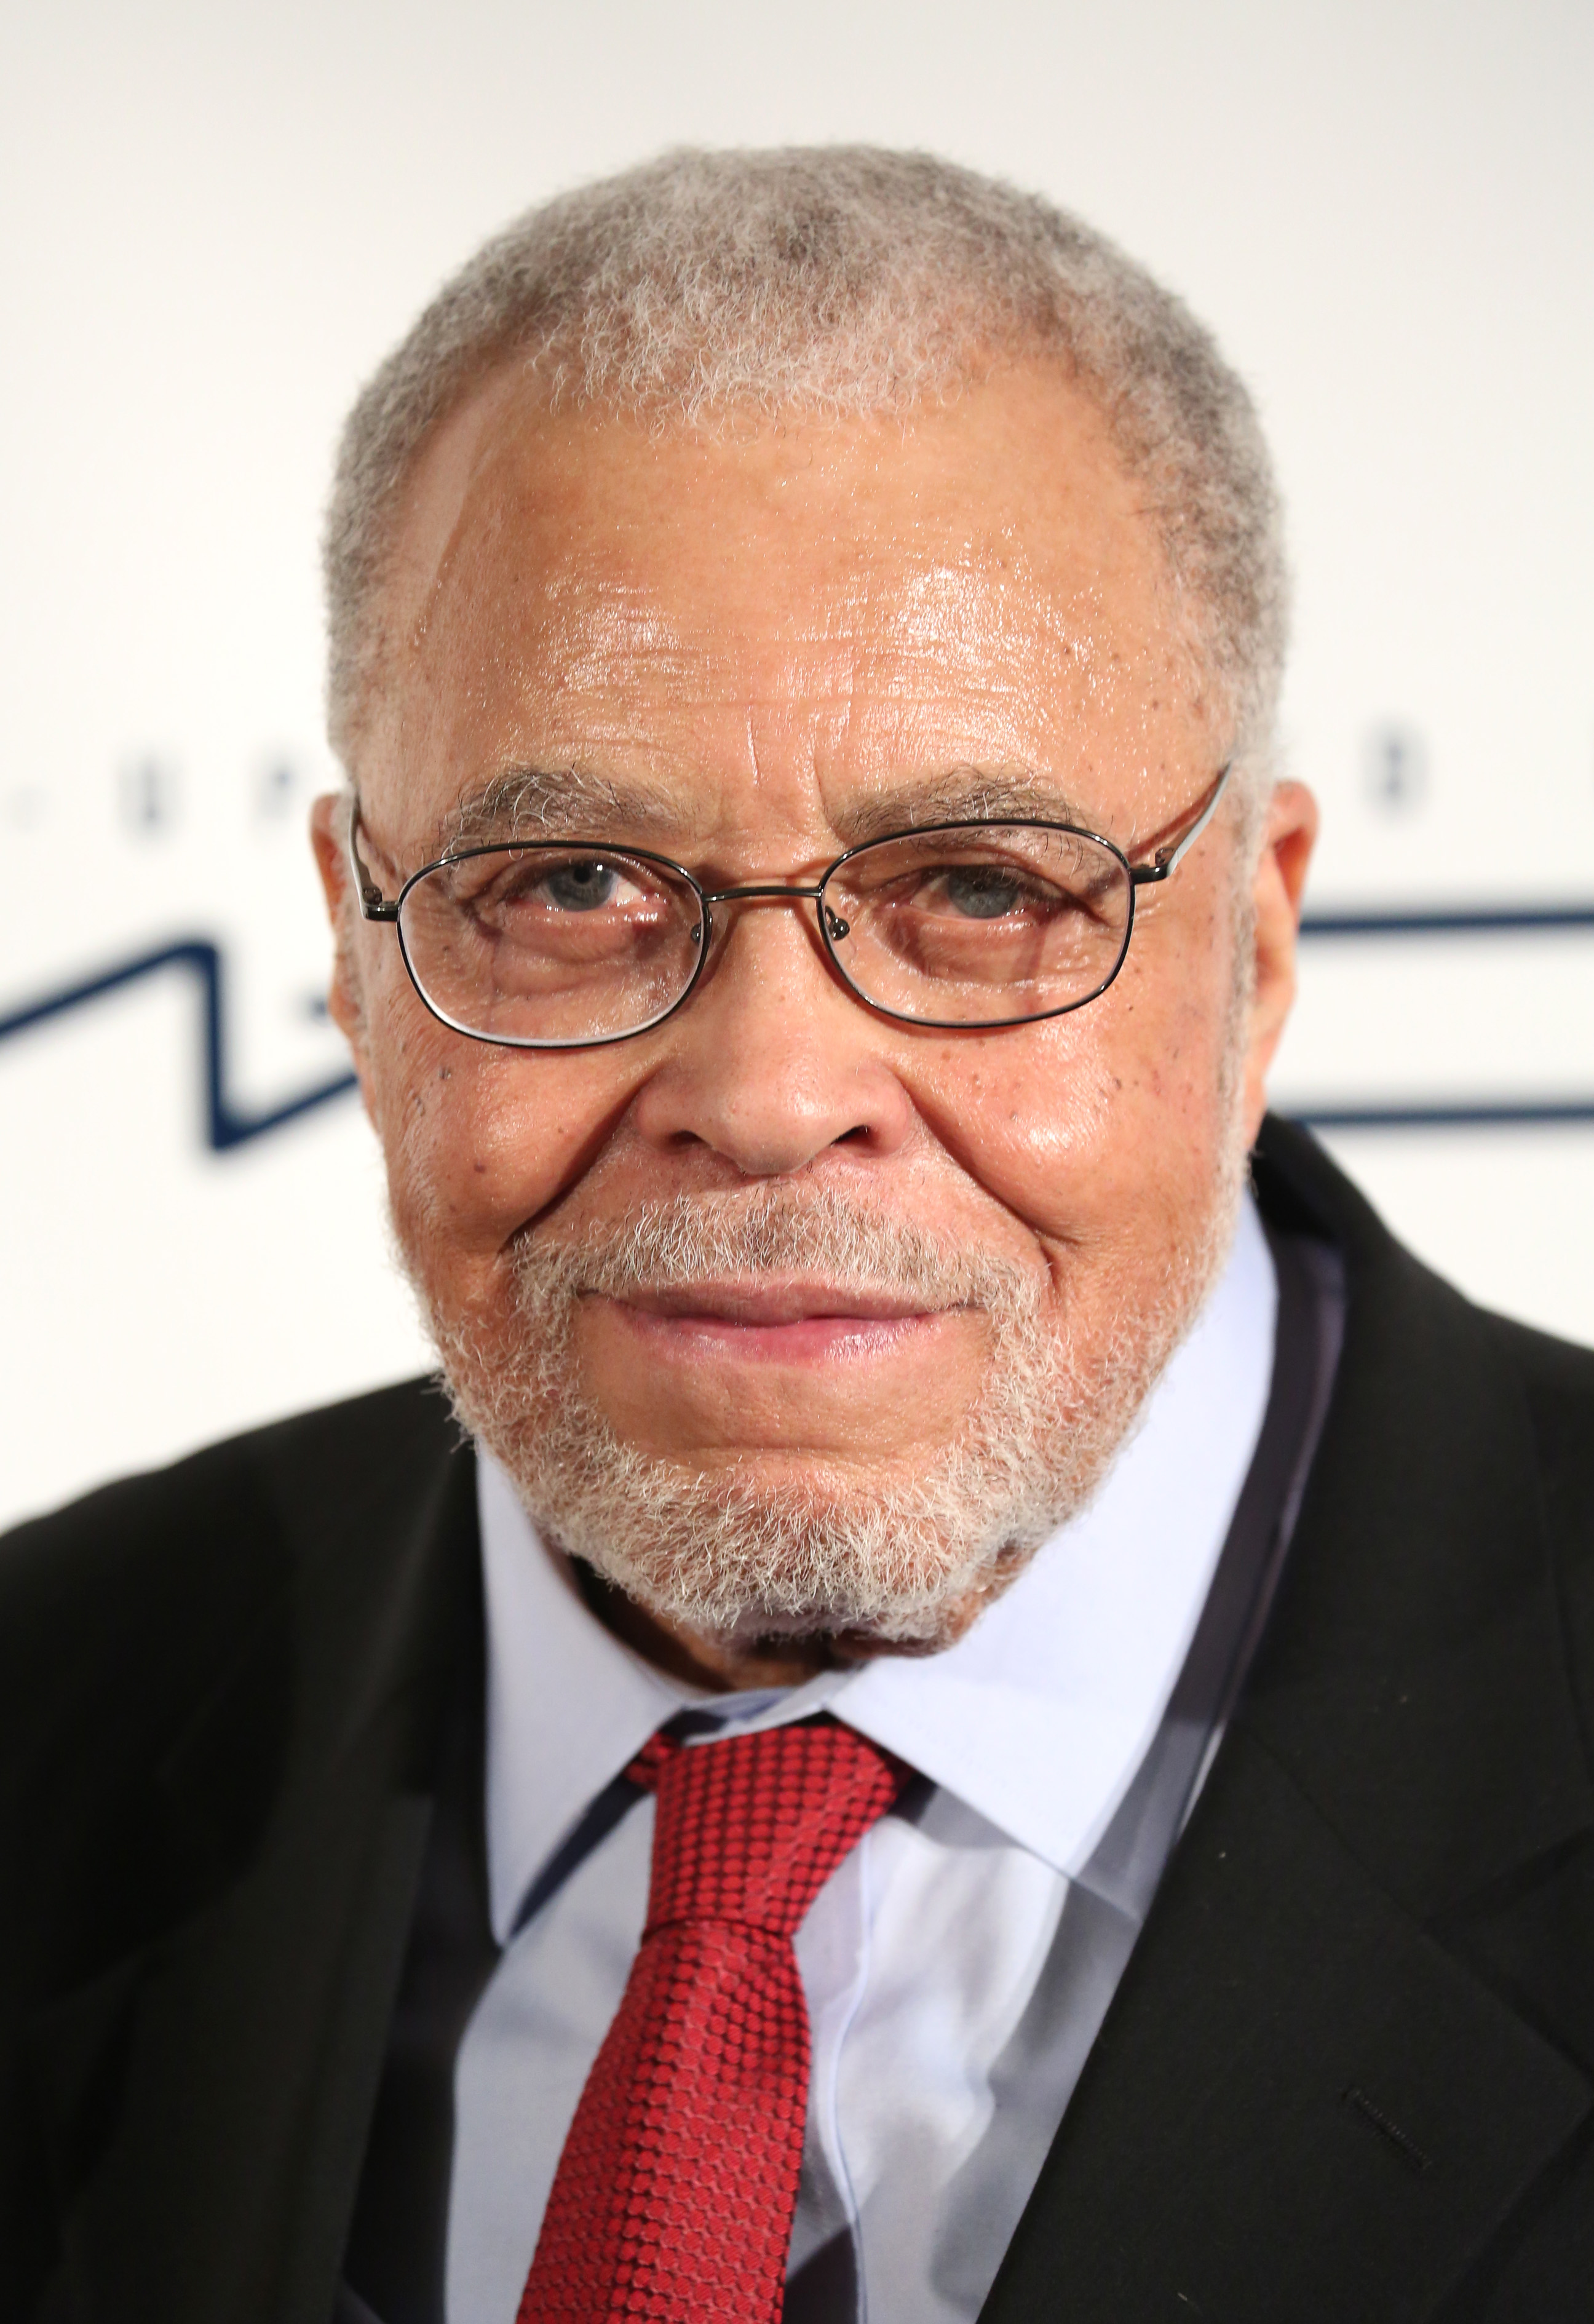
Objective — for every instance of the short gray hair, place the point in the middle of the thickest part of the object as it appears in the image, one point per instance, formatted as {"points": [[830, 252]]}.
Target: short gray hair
{"points": [[830, 280]]}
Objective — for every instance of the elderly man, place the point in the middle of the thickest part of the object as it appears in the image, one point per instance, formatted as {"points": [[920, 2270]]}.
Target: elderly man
{"points": [[987, 1713]]}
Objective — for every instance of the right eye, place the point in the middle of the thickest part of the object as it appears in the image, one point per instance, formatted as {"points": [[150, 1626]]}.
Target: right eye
{"points": [[559, 887]]}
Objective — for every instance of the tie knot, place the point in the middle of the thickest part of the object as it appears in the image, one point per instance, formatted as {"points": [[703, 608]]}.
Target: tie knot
{"points": [[750, 1827]]}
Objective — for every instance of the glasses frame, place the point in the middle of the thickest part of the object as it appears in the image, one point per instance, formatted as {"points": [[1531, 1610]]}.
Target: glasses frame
{"points": [[1164, 862]]}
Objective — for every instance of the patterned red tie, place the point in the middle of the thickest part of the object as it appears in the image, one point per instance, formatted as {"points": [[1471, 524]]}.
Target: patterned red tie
{"points": [[677, 2183]]}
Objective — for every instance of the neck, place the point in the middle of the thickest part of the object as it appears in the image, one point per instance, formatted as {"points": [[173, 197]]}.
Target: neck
{"points": [[726, 1665], [722, 1665]]}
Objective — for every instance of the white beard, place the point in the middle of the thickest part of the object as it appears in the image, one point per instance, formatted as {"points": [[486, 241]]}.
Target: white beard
{"points": [[902, 1558]]}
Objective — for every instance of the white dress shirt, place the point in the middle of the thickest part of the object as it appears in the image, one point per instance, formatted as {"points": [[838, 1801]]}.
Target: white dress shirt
{"points": [[958, 1963]]}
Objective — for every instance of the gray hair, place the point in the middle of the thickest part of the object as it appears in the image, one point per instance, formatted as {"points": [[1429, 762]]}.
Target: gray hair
{"points": [[830, 280]]}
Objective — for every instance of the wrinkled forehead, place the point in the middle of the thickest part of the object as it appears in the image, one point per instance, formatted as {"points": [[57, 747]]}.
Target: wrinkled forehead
{"points": [[824, 601]]}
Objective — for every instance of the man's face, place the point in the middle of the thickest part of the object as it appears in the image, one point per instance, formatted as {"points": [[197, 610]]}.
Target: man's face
{"points": [[749, 650]]}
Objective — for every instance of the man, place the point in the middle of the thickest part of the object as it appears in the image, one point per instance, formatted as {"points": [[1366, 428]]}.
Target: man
{"points": [[987, 1714]]}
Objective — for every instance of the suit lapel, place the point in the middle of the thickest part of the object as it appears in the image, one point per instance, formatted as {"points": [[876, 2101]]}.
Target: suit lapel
{"points": [[1300, 2105], [207, 2097], [1302, 2102]]}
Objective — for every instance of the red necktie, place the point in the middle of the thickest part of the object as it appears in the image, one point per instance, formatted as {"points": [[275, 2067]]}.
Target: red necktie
{"points": [[674, 2191]]}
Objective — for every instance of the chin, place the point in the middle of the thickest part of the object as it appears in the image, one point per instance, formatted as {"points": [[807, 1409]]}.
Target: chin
{"points": [[873, 1557]]}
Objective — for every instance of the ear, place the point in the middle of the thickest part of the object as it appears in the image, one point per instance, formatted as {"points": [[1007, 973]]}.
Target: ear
{"points": [[1288, 839], [345, 1001]]}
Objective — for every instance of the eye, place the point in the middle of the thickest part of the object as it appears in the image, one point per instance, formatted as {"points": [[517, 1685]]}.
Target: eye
{"points": [[981, 891], [583, 885], [517, 893], [986, 890]]}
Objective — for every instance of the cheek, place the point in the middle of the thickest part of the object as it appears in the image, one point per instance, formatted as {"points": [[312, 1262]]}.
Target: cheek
{"points": [[1099, 1128], [479, 1140]]}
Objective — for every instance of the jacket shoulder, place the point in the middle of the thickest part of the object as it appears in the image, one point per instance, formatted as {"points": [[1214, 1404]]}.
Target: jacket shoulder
{"points": [[169, 1642], [1463, 1379], [1558, 1377], [1558, 1385], [118, 1610], [138, 1523]]}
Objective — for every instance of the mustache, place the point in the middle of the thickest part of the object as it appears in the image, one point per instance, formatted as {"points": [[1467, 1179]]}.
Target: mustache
{"points": [[853, 1245]]}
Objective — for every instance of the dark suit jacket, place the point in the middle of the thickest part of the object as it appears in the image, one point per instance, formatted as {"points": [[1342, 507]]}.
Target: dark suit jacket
{"points": [[1347, 2076]]}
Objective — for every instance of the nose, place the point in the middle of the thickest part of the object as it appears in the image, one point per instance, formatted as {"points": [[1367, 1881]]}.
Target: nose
{"points": [[772, 1062]]}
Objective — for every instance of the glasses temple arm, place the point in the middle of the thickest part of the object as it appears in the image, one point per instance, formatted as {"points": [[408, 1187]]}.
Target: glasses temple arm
{"points": [[1168, 858], [373, 905]]}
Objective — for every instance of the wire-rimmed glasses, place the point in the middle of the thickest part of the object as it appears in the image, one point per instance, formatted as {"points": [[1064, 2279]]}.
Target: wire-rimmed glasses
{"points": [[960, 927]]}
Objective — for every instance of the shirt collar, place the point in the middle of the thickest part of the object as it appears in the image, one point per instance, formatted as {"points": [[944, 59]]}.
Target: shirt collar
{"points": [[1036, 1719]]}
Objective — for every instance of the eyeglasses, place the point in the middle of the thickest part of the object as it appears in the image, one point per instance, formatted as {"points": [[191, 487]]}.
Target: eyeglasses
{"points": [[569, 944]]}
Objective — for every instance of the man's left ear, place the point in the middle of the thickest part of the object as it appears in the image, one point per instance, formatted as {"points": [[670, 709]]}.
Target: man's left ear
{"points": [[1289, 836]]}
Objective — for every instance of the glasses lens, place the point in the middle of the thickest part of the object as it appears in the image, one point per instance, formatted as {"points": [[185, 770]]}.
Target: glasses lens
{"points": [[548, 947], [981, 924]]}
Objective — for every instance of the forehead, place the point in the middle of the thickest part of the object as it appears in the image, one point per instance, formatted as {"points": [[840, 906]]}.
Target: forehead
{"points": [[818, 602]]}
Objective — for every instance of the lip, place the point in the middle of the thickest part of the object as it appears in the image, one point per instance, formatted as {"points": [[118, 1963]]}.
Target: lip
{"points": [[764, 1304], [779, 1322]]}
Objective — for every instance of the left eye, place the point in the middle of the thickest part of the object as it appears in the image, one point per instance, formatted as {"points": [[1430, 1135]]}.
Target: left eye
{"points": [[980, 891], [581, 886]]}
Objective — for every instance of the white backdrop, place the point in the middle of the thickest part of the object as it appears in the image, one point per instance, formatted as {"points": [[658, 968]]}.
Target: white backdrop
{"points": [[217, 217]]}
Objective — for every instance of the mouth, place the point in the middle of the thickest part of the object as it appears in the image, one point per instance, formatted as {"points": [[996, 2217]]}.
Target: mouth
{"points": [[790, 1321]]}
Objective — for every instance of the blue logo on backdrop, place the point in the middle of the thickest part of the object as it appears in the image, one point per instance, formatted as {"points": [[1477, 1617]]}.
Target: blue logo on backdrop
{"points": [[226, 1125], [1351, 927]]}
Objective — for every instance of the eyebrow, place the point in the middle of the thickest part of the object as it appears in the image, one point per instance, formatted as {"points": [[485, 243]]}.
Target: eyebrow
{"points": [[568, 801], [961, 794]]}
